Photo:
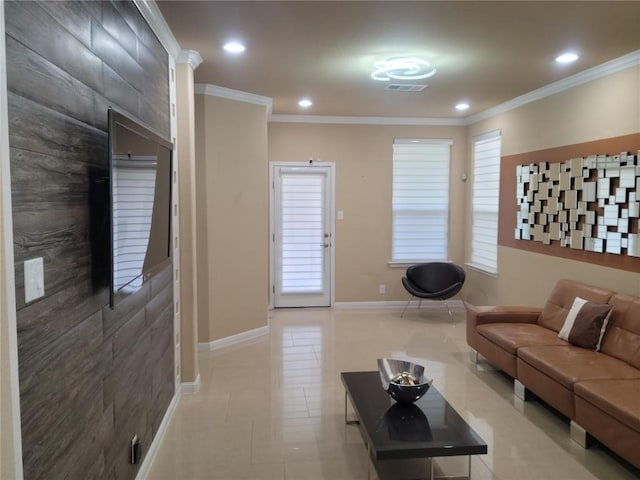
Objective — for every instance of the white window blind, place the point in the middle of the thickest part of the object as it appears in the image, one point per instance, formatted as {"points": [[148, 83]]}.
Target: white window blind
{"points": [[302, 233], [420, 209], [134, 184], [486, 190]]}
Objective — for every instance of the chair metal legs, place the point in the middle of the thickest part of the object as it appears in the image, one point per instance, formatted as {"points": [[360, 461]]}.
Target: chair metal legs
{"points": [[420, 304], [448, 309], [405, 307]]}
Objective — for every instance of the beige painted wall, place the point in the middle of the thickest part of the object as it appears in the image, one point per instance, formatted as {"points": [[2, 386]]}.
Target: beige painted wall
{"points": [[232, 216], [202, 213], [604, 108], [363, 158], [600, 109]]}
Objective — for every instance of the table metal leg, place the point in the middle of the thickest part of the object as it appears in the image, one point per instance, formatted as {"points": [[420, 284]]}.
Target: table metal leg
{"points": [[347, 421], [432, 469]]}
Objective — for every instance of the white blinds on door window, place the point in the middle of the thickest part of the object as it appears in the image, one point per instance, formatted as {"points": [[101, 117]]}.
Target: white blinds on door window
{"points": [[134, 188], [302, 228], [486, 190], [420, 210]]}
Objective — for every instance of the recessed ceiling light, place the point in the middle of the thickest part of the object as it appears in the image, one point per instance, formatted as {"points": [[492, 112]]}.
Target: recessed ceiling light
{"points": [[402, 68], [234, 47], [305, 103], [567, 57], [462, 106]]}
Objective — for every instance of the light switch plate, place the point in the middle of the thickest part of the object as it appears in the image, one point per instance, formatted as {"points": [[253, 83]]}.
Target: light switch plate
{"points": [[33, 279]]}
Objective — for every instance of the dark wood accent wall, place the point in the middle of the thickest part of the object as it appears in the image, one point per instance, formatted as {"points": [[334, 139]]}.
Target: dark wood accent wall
{"points": [[90, 378], [507, 221]]}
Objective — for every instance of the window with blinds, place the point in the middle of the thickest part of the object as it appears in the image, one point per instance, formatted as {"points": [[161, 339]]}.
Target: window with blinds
{"points": [[485, 201], [420, 209], [302, 230]]}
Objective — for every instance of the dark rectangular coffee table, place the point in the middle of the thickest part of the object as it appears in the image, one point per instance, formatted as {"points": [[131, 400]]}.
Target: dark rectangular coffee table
{"points": [[428, 428]]}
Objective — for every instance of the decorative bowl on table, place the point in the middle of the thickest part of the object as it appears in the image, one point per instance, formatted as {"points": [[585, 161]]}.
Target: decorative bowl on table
{"points": [[404, 381]]}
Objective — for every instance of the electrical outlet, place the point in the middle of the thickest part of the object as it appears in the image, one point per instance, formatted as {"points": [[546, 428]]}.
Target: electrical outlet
{"points": [[382, 288], [33, 279]]}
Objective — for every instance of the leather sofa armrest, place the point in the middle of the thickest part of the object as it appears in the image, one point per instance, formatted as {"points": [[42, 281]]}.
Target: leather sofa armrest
{"points": [[501, 314]]}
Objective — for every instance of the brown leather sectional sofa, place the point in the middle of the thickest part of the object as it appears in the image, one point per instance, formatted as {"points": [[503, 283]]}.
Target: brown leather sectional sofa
{"points": [[598, 390]]}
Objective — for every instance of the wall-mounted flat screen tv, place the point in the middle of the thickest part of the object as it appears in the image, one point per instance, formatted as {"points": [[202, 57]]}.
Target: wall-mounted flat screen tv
{"points": [[140, 172]]}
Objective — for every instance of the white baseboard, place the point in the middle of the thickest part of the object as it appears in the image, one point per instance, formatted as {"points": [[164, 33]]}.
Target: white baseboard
{"points": [[357, 305], [398, 304], [189, 388], [143, 472], [233, 339]]}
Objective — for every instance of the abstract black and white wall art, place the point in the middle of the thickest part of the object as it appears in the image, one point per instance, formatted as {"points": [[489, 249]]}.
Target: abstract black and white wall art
{"points": [[589, 203]]}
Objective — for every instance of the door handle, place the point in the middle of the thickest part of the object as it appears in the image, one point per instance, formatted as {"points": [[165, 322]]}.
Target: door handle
{"points": [[325, 245]]}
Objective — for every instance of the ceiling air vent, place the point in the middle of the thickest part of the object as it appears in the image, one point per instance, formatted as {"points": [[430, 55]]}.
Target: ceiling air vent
{"points": [[403, 87]]}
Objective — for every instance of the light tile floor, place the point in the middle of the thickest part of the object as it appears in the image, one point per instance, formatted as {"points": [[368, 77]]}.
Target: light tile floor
{"points": [[273, 407]]}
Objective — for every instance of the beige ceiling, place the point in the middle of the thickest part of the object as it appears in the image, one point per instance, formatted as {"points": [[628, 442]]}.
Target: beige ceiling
{"points": [[485, 52]]}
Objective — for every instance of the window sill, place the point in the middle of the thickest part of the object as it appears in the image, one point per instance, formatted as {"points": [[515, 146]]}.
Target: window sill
{"points": [[482, 269], [408, 263]]}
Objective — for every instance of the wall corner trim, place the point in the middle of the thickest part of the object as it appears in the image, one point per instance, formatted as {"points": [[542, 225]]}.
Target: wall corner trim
{"points": [[152, 451], [192, 57], [189, 388], [230, 94], [152, 14], [338, 120], [11, 426], [233, 339], [608, 68]]}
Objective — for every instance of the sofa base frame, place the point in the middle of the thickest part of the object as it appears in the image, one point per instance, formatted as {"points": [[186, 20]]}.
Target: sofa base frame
{"points": [[473, 356], [520, 391], [579, 435]]}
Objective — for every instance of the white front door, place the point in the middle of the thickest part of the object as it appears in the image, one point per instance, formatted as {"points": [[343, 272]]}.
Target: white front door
{"points": [[302, 239]]}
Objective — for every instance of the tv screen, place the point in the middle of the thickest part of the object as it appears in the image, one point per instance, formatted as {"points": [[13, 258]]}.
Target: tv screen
{"points": [[140, 173]]}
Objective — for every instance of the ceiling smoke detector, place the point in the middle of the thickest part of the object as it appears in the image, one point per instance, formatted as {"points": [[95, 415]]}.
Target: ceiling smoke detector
{"points": [[400, 87]]}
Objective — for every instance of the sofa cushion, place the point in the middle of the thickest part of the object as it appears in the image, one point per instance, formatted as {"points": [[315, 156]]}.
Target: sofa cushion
{"points": [[561, 299], [622, 338], [618, 398], [585, 323], [568, 364], [511, 336]]}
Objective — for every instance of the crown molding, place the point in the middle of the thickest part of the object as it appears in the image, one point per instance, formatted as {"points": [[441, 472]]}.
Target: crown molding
{"points": [[222, 92], [622, 63], [192, 57], [151, 13], [327, 119], [153, 16]]}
